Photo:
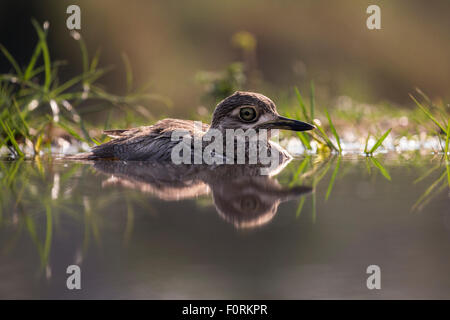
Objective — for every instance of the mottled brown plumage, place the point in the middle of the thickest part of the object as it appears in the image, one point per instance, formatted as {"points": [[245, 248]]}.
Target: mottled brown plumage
{"points": [[242, 110]]}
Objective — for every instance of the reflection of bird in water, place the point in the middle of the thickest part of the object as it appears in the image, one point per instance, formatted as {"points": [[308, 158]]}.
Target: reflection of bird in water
{"points": [[242, 110], [242, 196]]}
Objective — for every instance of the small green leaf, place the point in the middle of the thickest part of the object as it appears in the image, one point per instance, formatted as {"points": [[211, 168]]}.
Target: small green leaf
{"points": [[300, 206], [302, 105], [313, 102], [333, 177], [45, 54], [303, 138], [10, 134], [383, 171], [428, 114], [366, 144], [380, 141], [333, 130], [447, 140], [11, 60]]}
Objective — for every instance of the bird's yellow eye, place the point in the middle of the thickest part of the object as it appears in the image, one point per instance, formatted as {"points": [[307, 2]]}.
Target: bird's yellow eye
{"points": [[247, 114]]}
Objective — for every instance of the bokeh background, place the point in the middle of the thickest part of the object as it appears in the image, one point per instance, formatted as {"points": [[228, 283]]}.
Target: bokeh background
{"points": [[171, 42]]}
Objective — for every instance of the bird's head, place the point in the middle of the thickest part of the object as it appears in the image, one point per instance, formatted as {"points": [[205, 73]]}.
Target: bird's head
{"points": [[249, 110]]}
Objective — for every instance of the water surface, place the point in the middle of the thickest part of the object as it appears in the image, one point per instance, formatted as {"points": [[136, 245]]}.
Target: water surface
{"points": [[142, 231]]}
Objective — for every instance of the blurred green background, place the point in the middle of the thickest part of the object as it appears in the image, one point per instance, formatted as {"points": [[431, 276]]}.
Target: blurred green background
{"points": [[169, 42]]}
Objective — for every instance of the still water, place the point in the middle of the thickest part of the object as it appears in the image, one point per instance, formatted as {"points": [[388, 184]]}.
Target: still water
{"points": [[149, 231]]}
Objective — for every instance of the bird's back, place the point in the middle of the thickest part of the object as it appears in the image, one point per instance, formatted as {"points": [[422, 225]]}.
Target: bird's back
{"points": [[143, 143]]}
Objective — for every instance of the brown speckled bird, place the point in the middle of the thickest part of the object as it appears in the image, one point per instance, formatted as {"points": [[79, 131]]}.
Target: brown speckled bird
{"points": [[241, 110]]}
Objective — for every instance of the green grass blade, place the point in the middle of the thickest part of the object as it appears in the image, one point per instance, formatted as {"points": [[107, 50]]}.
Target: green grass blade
{"points": [[11, 60], [84, 130], [95, 59], [380, 141], [366, 144], [86, 77], [48, 235], [22, 119], [301, 103], [328, 142], [84, 52], [313, 102], [322, 173], [128, 72], [333, 130], [428, 114], [299, 171], [383, 171], [66, 85], [300, 206], [96, 141], [29, 70], [426, 174], [333, 177], [447, 140], [2, 142], [427, 98], [70, 131], [11, 138], [45, 54], [428, 192], [303, 138], [12, 173]]}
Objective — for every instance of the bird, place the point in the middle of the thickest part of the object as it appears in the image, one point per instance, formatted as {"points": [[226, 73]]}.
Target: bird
{"points": [[240, 194], [241, 110]]}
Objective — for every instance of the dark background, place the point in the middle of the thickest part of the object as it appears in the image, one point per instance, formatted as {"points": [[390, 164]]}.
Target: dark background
{"points": [[297, 41]]}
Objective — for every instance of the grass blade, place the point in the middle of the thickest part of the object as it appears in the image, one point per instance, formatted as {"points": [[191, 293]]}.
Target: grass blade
{"points": [[366, 144], [428, 192], [11, 59], [426, 174], [95, 59], [313, 102], [45, 54], [300, 206], [447, 140], [328, 142], [11, 138], [84, 54], [383, 171], [34, 57], [333, 130], [70, 131], [300, 102], [128, 72], [380, 141], [48, 235], [303, 138], [333, 177], [428, 114], [299, 171]]}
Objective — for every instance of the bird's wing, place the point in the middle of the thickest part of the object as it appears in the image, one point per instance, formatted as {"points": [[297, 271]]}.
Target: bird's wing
{"points": [[117, 133], [143, 143]]}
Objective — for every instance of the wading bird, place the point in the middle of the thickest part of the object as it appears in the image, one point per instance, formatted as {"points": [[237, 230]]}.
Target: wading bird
{"points": [[241, 110], [240, 194]]}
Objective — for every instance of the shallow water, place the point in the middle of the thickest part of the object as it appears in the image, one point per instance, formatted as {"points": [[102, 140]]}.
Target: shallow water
{"points": [[140, 231]]}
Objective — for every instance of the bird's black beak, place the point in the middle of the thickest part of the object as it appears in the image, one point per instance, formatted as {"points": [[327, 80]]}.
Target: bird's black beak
{"points": [[287, 124]]}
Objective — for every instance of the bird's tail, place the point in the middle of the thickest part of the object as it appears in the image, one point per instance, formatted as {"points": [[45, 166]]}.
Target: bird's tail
{"points": [[81, 156]]}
